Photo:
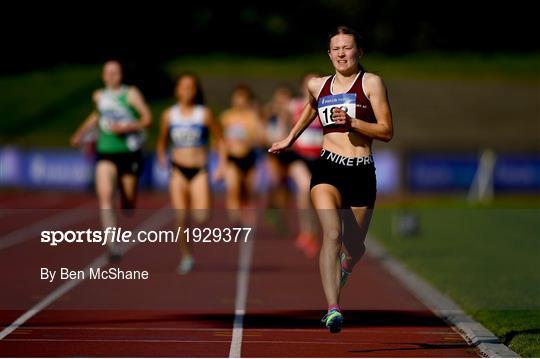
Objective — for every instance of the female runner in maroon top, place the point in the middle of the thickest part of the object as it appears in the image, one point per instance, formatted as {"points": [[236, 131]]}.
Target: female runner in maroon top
{"points": [[353, 109]]}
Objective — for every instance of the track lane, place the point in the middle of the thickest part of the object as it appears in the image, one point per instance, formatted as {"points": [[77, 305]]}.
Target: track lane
{"points": [[382, 318]]}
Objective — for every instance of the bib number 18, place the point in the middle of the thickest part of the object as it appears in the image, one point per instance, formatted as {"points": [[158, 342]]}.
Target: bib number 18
{"points": [[328, 112], [327, 105]]}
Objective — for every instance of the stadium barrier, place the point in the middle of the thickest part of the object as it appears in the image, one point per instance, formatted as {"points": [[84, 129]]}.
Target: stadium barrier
{"points": [[69, 169], [450, 172]]}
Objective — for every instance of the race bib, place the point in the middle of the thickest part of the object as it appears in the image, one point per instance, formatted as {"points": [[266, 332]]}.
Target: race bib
{"points": [[186, 136], [109, 118], [327, 104], [106, 124], [236, 132], [134, 141]]}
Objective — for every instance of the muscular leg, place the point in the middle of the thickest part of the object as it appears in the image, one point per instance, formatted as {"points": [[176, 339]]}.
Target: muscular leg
{"points": [[250, 183], [178, 189], [106, 177], [249, 214], [326, 200], [277, 196], [233, 183], [299, 173], [128, 190], [199, 189], [356, 225]]}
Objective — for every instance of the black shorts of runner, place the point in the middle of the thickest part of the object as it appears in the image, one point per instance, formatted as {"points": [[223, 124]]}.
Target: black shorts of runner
{"points": [[126, 162], [310, 162], [288, 157], [244, 163], [187, 172], [353, 177]]}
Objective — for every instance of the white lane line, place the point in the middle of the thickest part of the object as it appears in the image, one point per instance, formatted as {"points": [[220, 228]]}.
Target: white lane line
{"points": [[57, 293], [157, 220], [445, 308], [62, 219], [242, 285]]}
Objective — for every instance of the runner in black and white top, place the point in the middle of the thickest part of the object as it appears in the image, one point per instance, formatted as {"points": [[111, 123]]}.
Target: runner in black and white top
{"points": [[187, 127]]}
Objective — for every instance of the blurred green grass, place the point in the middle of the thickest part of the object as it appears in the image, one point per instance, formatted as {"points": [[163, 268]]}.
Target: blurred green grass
{"points": [[484, 257], [43, 108], [438, 66]]}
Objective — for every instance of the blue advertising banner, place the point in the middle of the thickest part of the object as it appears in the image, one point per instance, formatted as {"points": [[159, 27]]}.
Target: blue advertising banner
{"points": [[387, 166], [517, 172], [443, 172], [433, 172], [10, 166], [72, 170], [58, 169]]}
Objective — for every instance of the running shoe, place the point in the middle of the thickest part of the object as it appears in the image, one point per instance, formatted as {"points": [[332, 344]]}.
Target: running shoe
{"points": [[308, 243], [333, 320], [274, 219], [344, 274], [312, 249], [186, 265]]}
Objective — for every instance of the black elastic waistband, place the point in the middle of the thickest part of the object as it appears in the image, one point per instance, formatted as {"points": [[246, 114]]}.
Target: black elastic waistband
{"points": [[346, 161]]}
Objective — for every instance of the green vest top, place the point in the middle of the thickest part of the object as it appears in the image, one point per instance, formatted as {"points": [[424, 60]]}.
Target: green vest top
{"points": [[114, 108]]}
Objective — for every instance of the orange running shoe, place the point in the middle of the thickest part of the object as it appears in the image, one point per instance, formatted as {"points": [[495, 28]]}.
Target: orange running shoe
{"points": [[308, 243]]}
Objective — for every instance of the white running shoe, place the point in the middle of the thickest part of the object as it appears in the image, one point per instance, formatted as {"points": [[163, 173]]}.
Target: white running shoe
{"points": [[186, 265]]}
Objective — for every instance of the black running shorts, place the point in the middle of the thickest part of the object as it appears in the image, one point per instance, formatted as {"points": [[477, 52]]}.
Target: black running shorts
{"points": [[353, 177], [126, 163]]}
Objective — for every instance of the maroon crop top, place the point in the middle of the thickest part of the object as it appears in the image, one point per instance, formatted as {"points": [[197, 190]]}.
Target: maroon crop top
{"points": [[354, 102]]}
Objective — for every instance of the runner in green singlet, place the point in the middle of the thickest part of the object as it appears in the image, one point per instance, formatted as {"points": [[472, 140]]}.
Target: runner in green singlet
{"points": [[121, 116]]}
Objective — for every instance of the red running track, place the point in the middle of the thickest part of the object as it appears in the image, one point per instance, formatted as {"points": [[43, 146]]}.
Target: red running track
{"points": [[193, 315]]}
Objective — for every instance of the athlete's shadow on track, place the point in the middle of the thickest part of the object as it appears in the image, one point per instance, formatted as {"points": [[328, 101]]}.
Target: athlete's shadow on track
{"points": [[300, 319], [353, 318]]}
